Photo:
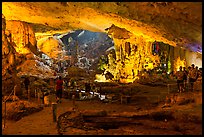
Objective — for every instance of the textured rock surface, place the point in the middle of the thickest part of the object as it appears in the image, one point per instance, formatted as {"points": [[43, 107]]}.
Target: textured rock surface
{"points": [[50, 46], [23, 36], [174, 23], [18, 54], [9, 61], [133, 26]]}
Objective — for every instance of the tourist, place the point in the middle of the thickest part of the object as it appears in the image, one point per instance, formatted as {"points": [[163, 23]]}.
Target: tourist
{"points": [[188, 81], [59, 87], [164, 74], [87, 88], [74, 90], [197, 71], [93, 89], [192, 76], [180, 76], [26, 83], [200, 73], [185, 78], [66, 81], [171, 76]]}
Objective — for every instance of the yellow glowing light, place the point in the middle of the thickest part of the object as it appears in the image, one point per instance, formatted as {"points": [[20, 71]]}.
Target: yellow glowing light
{"points": [[128, 80], [149, 66], [169, 66], [22, 50], [101, 78], [179, 63]]}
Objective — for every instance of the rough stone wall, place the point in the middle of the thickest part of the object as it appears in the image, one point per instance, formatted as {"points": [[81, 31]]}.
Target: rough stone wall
{"points": [[50, 46], [18, 45], [132, 53], [9, 61], [184, 58], [22, 36]]}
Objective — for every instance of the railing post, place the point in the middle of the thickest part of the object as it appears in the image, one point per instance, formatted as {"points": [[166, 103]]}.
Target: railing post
{"points": [[29, 94], [39, 95], [54, 111], [168, 88], [5, 115]]}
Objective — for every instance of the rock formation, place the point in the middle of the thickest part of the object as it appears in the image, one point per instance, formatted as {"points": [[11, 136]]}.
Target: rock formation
{"points": [[50, 46], [10, 59], [19, 54], [131, 54], [22, 36]]}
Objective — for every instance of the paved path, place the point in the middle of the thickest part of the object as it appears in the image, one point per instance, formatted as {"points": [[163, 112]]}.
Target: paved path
{"points": [[41, 123]]}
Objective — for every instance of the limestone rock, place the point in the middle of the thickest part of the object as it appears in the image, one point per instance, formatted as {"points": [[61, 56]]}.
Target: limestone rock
{"points": [[17, 39], [119, 33], [23, 36], [8, 61], [11, 98], [50, 46]]}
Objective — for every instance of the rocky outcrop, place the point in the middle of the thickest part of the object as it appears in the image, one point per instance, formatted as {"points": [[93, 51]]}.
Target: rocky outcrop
{"points": [[22, 37], [50, 46], [9, 61], [18, 45], [132, 54]]}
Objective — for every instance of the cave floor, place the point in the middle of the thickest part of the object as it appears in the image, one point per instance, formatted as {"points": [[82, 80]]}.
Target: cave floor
{"points": [[41, 123]]}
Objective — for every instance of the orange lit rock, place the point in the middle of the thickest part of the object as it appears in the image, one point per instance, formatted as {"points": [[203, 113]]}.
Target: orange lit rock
{"points": [[174, 23], [50, 46], [9, 62], [23, 36], [178, 62], [132, 54]]}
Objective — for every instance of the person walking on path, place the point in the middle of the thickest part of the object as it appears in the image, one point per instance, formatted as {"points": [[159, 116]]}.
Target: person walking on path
{"points": [[185, 78], [192, 76], [27, 83], [180, 76], [59, 87]]}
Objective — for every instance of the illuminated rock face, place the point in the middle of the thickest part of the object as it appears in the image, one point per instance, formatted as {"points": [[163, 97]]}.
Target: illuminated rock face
{"points": [[18, 54], [50, 46], [140, 23], [22, 34], [174, 23], [132, 53], [10, 59]]}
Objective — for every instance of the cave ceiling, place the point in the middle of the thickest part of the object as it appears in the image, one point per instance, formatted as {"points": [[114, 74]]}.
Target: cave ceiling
{"points": [[174, 23]]}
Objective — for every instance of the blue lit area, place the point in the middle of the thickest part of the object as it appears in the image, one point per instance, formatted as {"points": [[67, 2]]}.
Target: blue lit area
{"points": [[86, 47], [195, 47]]}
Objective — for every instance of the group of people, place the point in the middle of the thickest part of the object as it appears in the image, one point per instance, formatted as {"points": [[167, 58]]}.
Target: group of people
{"points": [[64, 84], [187, 77]]}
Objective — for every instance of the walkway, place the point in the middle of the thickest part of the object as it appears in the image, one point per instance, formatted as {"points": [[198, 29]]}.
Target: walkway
{"points": [[41, 123]]}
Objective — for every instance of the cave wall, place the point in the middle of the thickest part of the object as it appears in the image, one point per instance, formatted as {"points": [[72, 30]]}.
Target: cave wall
{"points": [[18, 45], [185, 58], [50, 46], [22, 37], [10, 59], [132, 54]]}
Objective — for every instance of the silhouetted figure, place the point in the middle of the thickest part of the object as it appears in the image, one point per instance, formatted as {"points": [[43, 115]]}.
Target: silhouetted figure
{"points": [[192, 76], [185, 77], [180, 76], [87, 87], [26, 83], [59, 84]]}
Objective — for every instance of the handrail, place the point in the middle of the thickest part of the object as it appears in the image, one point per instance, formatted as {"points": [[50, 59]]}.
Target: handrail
{"points": [[8, 96], [4, 101]]}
